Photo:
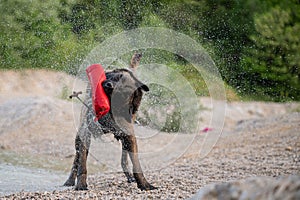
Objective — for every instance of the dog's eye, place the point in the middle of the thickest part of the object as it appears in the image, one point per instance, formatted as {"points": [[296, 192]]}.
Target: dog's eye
{"points": [[120, 76]]}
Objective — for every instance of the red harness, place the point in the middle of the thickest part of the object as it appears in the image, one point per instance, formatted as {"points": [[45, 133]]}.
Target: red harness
{"points": [[100, 100]]}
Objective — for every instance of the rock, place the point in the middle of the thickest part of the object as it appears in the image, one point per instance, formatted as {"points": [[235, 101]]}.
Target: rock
{"points": [[289, 148], [287, 187]]}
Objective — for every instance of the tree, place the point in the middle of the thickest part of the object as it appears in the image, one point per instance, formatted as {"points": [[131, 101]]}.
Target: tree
{"points": [[273, 65], [227, 25], [32, 36]]}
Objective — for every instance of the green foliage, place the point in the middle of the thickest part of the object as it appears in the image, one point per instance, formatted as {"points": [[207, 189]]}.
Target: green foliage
{"points": [[275, 61], [33, 37], [255, 43], [164, 112], [227, 25], [65, 93]]}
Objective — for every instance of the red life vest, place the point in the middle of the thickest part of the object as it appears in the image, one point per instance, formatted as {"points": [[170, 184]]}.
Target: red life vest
{"points": [[100, 100]]}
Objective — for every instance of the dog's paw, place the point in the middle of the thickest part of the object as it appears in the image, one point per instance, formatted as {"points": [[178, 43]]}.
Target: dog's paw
{"points": [[130, 179], [147, 187], [81, 187], [69, 183]]}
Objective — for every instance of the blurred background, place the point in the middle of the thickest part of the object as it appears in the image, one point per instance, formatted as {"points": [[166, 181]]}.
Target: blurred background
{"points": [[254, 43]]}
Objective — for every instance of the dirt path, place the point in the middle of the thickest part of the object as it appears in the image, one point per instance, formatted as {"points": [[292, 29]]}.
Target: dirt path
{"points": [[37, 131]]}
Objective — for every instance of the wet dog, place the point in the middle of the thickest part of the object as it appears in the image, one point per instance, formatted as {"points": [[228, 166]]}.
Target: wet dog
{"points": [[125, 93]]}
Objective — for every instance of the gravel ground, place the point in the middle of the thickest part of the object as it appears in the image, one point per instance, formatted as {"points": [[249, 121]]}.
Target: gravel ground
{"points": [[259, 140], [269, 151]]}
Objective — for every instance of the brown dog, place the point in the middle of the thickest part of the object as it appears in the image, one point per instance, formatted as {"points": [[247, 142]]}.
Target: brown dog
{"points": [[125, 93]]}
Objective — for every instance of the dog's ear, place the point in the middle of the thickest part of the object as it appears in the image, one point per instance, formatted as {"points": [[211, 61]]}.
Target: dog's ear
{"points": [[144, 87], [108, 87]]}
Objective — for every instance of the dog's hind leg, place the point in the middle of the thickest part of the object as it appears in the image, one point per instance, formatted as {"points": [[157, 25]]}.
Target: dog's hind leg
{"points": [[73, 174], [83, 142], [82, 170], [124, 164]]}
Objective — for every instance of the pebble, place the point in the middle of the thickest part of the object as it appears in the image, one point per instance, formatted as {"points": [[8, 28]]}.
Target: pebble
{"points": [[289, 148], [265, 153]]}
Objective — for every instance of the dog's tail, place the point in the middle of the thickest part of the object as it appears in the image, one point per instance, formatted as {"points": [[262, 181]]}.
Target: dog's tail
{"points": [[135, 61]]}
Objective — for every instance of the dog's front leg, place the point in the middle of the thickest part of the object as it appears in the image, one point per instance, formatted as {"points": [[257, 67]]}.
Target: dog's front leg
{"points": [[130, 145], [124, 164]]}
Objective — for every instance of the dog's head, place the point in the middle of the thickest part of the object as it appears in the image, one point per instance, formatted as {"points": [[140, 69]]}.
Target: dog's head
{"points": [[122, 82], [125, 93]]}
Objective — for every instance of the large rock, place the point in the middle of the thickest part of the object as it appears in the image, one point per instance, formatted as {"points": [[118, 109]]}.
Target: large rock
{"points": [[254, 188]]}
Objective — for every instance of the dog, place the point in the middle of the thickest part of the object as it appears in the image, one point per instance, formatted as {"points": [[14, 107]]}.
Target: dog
{"points": [[124, 92]]}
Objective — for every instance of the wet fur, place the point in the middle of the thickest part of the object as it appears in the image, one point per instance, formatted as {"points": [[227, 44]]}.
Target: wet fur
{"points": [[125, 93]]}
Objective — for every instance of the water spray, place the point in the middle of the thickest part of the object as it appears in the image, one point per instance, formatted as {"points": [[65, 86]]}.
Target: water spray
{"points": [[76, 94]]}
